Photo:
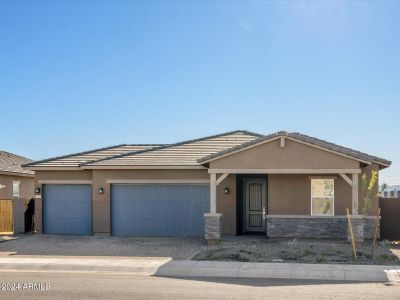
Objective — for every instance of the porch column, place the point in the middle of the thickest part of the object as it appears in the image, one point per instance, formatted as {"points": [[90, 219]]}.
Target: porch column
{"points": [[356, 220], [354, 194], [213, 193], [212, 220]]}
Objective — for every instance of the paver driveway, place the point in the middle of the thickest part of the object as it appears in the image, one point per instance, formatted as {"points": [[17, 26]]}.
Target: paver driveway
{"points": [[176, 248]]}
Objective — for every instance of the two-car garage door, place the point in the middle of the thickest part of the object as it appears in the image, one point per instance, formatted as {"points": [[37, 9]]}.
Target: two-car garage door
{"points": [[159, 209], [136, 210]]}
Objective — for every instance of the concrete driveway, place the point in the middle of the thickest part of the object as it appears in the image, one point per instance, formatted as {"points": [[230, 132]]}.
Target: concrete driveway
{"points": [[63, 245]]}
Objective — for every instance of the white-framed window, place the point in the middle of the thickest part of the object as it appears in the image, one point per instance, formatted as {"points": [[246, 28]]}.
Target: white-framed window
{"points": [[322, 197], [16, 188]]}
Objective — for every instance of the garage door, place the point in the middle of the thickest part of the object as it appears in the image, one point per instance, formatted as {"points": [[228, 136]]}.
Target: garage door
{"points": [[159, 210], [67, 209]]}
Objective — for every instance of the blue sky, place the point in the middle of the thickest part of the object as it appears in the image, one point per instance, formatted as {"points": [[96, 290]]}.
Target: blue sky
{"points": [[85, 74]]}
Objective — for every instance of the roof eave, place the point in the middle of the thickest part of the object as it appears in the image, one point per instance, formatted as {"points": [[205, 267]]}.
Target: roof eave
{"points": [[273, 137], [36, 162], [19, 174], [383, 165], [51, 168], [143, 167]]}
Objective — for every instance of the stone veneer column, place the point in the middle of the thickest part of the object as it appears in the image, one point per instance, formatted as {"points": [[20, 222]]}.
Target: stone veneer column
{"points": [[213, 227]]}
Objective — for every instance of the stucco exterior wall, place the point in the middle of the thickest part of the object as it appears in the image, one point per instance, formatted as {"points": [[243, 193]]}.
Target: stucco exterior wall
{"points": [[227, 204], [288, 194], [63, 175], [26, 189], [291, 194], [294, 155], [26, 193], [102, 203]]}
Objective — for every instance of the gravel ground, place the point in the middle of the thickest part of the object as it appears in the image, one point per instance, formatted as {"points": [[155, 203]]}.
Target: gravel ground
{"points": [[64, 245], [260, 249], [6, 238], [242, 248]]}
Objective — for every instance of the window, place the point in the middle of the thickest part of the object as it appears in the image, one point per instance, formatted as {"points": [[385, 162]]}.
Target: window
{"points": [[15, 188], [322, 197], [398, 193], [385, 194], [391, 193]]}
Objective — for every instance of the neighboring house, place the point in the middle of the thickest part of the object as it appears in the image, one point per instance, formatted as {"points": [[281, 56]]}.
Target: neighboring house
{"points": [[16, 189], [282, 185], [391, 191]]}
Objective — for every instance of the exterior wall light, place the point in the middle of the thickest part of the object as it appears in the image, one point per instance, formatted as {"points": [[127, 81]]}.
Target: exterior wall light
{"points": [[37, 190], [226, 191], [101, 190]]}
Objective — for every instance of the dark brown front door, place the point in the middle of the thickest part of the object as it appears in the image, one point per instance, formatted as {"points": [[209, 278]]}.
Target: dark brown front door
{"points": [[254, 204]]}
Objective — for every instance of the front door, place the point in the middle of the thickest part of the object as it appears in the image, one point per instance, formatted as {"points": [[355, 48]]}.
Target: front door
{"points": [[255, 204]]}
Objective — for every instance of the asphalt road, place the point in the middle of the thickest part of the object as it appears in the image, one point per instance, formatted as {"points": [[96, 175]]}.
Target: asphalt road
{"points": [[113, 286]]}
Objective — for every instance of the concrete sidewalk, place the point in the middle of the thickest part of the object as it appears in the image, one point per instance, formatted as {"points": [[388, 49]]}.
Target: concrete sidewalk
{"points": [[150, 266]]}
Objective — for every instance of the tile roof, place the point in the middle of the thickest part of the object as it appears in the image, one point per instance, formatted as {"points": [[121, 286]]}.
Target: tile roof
{"points": [[183, 154], [77, 159], [11, 163], [191, 154], [306, 139]]}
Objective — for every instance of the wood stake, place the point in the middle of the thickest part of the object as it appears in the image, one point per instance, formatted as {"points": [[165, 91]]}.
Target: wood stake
{"points": [[375, 232], [351, 234]]}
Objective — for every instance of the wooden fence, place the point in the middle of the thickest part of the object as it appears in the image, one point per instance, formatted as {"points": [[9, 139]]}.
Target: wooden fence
{"points": [[390, 218], [6, 216]]}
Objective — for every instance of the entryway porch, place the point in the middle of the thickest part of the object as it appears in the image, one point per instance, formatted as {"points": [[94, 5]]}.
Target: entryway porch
{"points": [[251, 195]]}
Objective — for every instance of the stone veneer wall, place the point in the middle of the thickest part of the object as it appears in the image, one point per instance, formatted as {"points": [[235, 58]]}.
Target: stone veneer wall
{"points": [[313, 227], [213, 226]]}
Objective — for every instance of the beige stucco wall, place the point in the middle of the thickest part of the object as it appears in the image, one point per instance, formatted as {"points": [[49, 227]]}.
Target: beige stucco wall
{"points": [[101, 203], [227, 204], [26, 189], [294, 155], [287, 194], [63, 175], [26, 193], [291, 195]]}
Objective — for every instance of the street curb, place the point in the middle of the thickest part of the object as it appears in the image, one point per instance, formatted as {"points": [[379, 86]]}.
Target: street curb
{"points": [[189, 268], [363, 273]]}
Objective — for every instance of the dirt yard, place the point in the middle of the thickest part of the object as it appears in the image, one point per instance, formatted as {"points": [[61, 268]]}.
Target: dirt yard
{"points": [[5, 238], [89, 245], [260, 249]]}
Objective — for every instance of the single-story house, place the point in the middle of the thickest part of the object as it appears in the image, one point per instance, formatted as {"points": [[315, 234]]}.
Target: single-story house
{"points": [[281, 185], [16, 190]]}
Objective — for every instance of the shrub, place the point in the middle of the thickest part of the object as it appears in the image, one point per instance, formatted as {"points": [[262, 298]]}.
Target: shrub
{"points": [[291, 252], [308, 253]]}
